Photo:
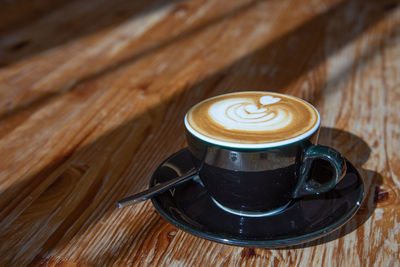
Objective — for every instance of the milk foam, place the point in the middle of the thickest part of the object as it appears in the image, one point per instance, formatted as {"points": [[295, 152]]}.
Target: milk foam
{"points": [[246, 115], [252, 119]]}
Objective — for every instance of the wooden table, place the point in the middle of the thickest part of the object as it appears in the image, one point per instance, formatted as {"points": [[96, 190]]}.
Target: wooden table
{"points": [[93, 95]]}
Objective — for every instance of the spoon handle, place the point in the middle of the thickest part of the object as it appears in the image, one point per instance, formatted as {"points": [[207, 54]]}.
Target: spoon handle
{"points": [[157, 189]]}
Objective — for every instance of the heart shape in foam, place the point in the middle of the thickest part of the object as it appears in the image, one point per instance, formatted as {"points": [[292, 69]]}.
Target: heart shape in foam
{"points": [[267, 100]]}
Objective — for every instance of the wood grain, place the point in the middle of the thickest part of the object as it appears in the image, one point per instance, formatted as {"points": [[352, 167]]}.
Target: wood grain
{"points": [[93, 95]]}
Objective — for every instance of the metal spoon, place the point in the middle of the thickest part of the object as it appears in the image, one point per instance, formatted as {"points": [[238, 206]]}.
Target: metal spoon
{"points": [[157, 189]]}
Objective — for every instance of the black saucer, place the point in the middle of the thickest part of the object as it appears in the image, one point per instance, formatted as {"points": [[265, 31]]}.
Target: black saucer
{"points": [[189, 207]]}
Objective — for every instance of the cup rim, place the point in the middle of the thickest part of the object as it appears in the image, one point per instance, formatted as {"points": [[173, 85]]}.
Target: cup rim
{"points": [[259, 145]]}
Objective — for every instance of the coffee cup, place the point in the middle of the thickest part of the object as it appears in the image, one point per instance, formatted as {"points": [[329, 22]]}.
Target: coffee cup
{"points": [[255, 151]]}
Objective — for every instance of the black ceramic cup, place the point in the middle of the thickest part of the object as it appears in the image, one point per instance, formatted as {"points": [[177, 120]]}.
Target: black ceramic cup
{"points": [[263, 180]]}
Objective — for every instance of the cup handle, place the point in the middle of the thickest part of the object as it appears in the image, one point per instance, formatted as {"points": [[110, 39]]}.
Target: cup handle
{"points": [[312, 187]]}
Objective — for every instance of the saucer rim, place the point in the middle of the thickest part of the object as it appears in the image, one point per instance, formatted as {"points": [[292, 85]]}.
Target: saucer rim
{"points": [[273, 243]]}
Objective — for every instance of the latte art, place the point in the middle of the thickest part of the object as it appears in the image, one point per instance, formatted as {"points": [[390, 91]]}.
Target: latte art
{"points": [[251, 118], [244, 114]]}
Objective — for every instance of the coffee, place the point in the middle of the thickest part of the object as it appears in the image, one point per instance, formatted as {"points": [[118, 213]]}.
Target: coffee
{"points": [[251, 119], [254, 151]]}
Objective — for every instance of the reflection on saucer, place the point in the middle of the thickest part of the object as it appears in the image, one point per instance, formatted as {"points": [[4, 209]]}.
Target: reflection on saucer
{"points": [[249, 213]]}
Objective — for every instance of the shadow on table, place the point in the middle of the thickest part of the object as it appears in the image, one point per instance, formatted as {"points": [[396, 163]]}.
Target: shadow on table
{"points": [[288, 45], [31, 105], [43, 25], [357, 151]]}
